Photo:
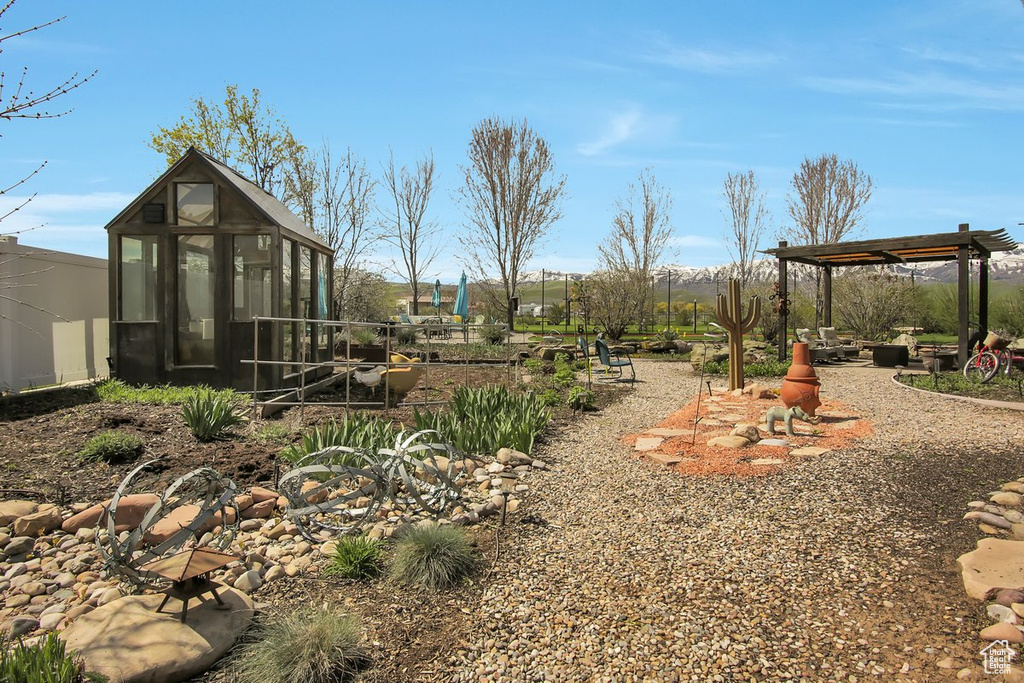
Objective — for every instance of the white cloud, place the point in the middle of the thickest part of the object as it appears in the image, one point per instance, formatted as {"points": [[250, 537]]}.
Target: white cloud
{"points": [[941, 91], [703, 60], [621, 127]]}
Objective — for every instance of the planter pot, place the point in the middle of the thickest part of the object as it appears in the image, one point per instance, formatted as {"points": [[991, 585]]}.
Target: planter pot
{"points": [[800, 387], [939, 361], [370, 354]]}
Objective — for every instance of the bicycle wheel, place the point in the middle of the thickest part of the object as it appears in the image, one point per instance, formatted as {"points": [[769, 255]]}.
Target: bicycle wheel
{"points": [[981, 367]]}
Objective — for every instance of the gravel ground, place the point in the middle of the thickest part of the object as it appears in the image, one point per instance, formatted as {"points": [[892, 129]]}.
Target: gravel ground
{"points": [[841, 567]]}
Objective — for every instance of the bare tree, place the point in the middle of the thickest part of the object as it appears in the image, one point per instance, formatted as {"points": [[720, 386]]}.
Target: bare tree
{"points": [[639, 237], [746, 219], [18, 100], [346, 200], [826, 204], [512, 195], [404, 226], [827, 200]]}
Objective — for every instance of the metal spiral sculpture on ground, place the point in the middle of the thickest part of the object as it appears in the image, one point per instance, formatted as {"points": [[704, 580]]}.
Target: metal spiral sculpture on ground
{"points": [[205, 488], [408, 476]]}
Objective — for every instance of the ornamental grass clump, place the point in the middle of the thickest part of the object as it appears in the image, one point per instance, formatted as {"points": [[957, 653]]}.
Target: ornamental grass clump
{"points": [[355, 557], [434, 556], [111, 447], [360, 433], [46, 661], [306, 645], [481, 421], [209, 415]]}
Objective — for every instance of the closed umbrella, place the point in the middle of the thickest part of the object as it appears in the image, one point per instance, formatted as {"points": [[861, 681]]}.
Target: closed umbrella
{"points": [[435, 300], [461, 308]]}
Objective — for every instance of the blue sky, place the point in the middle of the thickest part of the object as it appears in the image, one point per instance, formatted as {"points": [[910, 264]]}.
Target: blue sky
{"points": [[926, 96]]}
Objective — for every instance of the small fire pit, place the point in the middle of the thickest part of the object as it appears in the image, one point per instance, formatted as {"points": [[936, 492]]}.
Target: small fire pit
{"points": [[188, 573]]}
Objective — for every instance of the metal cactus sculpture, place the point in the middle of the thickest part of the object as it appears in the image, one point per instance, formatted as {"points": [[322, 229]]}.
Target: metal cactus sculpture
{"points": [[730, 316]]}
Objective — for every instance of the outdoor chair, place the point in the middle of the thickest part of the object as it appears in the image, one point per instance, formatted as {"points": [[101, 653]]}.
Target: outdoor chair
{"points": [[584, 353], [614, 360], [820, 351], [849, 348]]}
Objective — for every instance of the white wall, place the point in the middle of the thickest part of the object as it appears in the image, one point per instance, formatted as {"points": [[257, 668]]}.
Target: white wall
{"points": [[38, 348]]}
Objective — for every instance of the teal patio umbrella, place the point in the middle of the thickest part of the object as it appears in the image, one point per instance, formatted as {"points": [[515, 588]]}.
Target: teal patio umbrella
{"points": [[435, 300], [461, 307]]}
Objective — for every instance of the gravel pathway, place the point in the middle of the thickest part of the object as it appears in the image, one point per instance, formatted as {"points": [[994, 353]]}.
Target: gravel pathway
{"points": [[841, 567]]}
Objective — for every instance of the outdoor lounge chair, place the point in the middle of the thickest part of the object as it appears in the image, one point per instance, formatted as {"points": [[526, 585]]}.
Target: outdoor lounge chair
{"points": [[819, 350], [848, 348], [614, 360]]}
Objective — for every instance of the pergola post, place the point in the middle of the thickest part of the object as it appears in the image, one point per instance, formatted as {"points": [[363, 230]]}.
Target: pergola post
{"points": [[827, 295], [963, 284], [983, 296], [783, 302]]}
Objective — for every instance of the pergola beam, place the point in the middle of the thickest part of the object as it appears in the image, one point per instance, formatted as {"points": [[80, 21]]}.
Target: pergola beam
{"points": [[960, 246]]}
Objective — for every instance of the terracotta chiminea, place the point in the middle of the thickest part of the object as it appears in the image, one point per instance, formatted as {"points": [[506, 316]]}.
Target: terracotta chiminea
{"points": [[800, 387]]}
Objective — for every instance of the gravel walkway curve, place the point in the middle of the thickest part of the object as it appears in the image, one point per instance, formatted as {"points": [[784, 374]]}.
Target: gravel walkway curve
{"points": [[841, 567]]}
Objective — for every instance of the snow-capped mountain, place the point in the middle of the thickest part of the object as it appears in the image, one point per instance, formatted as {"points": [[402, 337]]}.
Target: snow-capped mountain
{"points": [[1004, 265]]}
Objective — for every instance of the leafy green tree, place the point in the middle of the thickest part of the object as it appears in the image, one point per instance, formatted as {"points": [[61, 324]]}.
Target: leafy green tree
{"points": [[244, 133], [871, 301]]}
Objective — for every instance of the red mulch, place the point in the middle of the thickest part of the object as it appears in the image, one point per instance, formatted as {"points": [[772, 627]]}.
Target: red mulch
{"points": [[835, 431]]}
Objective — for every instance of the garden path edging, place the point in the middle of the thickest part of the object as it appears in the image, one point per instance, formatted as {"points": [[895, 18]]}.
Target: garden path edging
{"points": [[988, 403]]}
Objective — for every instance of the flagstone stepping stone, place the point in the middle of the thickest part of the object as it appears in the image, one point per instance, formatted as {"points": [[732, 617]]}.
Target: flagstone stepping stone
{"points": [[995, 563], [648, 443], [710, 422], [732, 418], [716, 409], [129, 642], [772, 442], [808, 451], [666, 431], [767, 461], [729, 442], [664, 459]]}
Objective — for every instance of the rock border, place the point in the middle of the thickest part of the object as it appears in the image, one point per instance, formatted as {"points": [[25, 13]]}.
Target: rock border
{"points": [[988, 403]]}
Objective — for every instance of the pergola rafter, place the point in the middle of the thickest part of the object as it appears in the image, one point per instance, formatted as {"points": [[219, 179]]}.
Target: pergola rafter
{"points": [[959, 246]]}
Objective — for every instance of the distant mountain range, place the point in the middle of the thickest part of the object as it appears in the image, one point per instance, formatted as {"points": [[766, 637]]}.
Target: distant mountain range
{"points": [[1005, 266]]}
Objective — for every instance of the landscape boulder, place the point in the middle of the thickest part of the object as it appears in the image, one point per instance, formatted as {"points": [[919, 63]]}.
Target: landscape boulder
{"points": [[130, 512], [129, 642], [45, 519], [995, 563], [11, 510], [508, 456]]}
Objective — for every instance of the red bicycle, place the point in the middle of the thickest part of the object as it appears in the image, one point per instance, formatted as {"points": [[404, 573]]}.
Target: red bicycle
{"points": [[993, 356]]}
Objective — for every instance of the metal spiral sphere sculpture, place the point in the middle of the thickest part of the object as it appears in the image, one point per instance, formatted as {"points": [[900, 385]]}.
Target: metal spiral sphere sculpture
{"points": [[204, 488], [408, 476]]}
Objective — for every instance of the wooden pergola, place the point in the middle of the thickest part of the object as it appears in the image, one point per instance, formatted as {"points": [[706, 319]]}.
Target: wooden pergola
{"points": [[960, 246]]}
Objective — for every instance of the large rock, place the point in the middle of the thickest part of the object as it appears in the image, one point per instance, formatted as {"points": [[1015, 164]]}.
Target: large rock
{"points": [[996, 563], [10, 510], [509, 456], [129, 642], [130, 511], [176, 520], [44, 520], [747, 431], [260, 510]]}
